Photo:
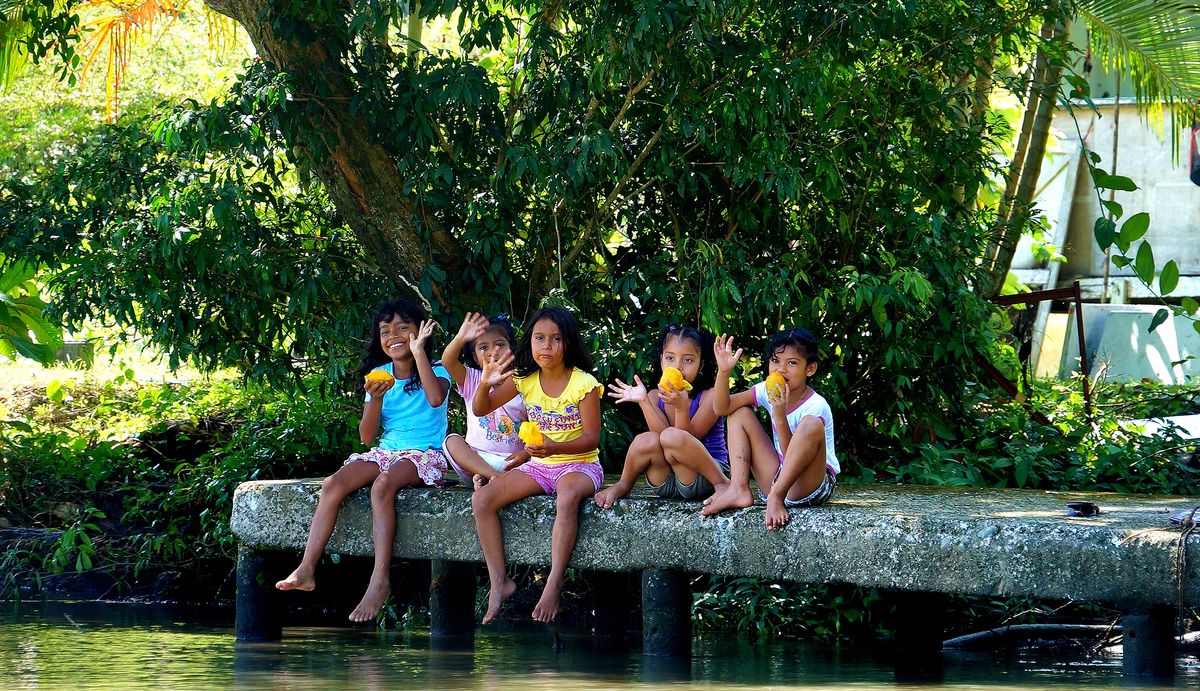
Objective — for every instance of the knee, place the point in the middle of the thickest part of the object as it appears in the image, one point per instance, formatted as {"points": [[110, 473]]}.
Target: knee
{"points": [[672, 438], [742, 416], [381, 488], [569, 499], [481, 500], [811, 428], [645, 442], [332, 487]]}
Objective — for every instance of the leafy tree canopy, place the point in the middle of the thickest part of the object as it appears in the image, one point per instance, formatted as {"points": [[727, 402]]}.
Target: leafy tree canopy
{"points": [[747, 166]]}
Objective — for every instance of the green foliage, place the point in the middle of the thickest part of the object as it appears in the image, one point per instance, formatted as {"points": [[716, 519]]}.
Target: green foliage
{"points": [[21, 309], [1000, 445], [760, 607], [748, 167], [157, 501]]}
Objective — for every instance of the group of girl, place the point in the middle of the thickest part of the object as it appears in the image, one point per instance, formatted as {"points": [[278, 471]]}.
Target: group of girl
{"points": [[703, 442]]}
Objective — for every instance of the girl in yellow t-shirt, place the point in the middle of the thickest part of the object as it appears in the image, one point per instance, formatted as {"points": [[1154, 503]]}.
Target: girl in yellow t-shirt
{"points": [[563, 398]]}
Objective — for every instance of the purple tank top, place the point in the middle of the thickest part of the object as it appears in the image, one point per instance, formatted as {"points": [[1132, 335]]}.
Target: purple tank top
{"points": [[714, 441]]}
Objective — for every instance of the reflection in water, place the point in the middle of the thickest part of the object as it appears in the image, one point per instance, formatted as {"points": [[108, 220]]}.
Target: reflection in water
{"points": [[125, 646]]}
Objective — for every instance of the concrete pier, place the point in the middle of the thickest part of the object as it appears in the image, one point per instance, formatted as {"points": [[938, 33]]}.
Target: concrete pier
{"points": [[927, 540]]}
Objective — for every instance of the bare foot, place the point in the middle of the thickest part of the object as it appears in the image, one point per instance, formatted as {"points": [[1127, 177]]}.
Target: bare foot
{"points": [[605, 498], [717, 492], [478, 480], [777, 513], [372, 600], [547, 606], [299, 580], [732, 498], [496, 597]]}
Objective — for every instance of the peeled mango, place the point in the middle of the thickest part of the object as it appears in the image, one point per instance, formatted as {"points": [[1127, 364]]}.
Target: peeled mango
{"points": [[531, 434], [673, 378], [777, 385], [378, 375]]}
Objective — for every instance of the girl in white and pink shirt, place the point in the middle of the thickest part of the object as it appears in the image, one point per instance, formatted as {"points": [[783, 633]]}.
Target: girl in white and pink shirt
{"points": [[491, 445]]}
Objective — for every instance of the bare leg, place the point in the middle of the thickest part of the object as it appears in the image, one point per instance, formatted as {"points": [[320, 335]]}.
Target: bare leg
{"points": [[383, 532], [572, 489], [334, 489], [688, 458], [486, 503], [802, 473], [749, 449], [458, 449], [645, 455]]}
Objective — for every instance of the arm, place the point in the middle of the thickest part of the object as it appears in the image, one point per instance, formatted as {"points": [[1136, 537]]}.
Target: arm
{"points": [[472, 327], [778, 408], [589, 410], [435, 388], [368, 426], [656, 421], [723, 403], [496, 386]]}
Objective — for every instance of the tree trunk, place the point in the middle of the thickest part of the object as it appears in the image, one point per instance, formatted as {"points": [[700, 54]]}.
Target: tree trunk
{"points": [[360, 175], [1031, 166]]}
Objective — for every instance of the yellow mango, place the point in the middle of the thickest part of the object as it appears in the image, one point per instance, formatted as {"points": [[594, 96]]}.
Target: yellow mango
{"points": [[673, 378], [777, 385], [378, 375], [531, 434]]}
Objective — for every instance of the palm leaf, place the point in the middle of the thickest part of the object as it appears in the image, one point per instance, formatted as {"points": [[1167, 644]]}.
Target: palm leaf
{"points": [[13, 31], [1156, 43]]}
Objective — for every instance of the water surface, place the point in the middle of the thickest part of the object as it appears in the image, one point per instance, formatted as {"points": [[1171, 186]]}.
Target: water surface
{"points": [[91, 645]]}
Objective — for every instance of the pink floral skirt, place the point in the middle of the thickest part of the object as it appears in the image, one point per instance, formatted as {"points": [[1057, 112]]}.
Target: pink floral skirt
{"points": [[430, 463]]}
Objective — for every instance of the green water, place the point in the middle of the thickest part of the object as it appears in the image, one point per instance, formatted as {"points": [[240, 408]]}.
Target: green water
{"points": [[89, 645]]}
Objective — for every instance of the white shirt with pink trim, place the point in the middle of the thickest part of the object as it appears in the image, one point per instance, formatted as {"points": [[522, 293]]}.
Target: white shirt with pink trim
{"points": [[814, 404]]}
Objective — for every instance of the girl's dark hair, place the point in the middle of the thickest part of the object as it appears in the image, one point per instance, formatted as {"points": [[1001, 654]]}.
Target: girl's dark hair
{"points": [[373, 355], [499, 324], [799, 338], [575, 355], [707, 376]]}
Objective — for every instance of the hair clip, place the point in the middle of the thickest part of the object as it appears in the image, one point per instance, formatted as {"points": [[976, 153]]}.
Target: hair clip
{"points": [[503, 317]]}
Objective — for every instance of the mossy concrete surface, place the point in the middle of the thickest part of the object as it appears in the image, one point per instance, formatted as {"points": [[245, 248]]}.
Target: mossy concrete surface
{"points": [[951, 540]]}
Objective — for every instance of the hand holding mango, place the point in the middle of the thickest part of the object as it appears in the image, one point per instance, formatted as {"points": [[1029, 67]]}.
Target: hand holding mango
{"points": [[776, 385], [531, 434], [378, 375], [673, 379]]}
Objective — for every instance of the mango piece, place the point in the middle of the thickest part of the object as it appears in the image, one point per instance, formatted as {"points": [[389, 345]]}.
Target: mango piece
{"points": [[777, 385], [378, 375], [531, 434], [673, 378]]}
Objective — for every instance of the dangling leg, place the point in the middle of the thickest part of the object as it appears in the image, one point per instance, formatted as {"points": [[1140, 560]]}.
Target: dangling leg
{"points": [[486, 504], [383, 532], [334, 489], [572, 490]]}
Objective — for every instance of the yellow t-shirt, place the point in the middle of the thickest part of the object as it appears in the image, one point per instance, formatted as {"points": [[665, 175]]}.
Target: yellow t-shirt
{"points": [[559, 416]]}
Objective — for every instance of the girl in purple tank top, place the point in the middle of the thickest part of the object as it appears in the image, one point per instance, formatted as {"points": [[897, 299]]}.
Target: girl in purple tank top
{"points": [[683, 454]]}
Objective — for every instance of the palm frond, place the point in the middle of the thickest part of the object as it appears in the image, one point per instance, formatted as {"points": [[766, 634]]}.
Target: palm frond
{"points": [[113, 34], [13, 31], [1156, 43]]}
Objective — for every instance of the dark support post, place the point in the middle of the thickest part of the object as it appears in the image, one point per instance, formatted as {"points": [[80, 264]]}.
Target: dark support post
{"points": [[617, 599], [920, 629], [920, 622], [451, 598], [666, 613], [258, 615], [1148, 642]]}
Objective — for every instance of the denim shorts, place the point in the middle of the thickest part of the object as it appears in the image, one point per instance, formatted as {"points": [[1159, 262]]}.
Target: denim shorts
{"points": [[672, 488]]}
